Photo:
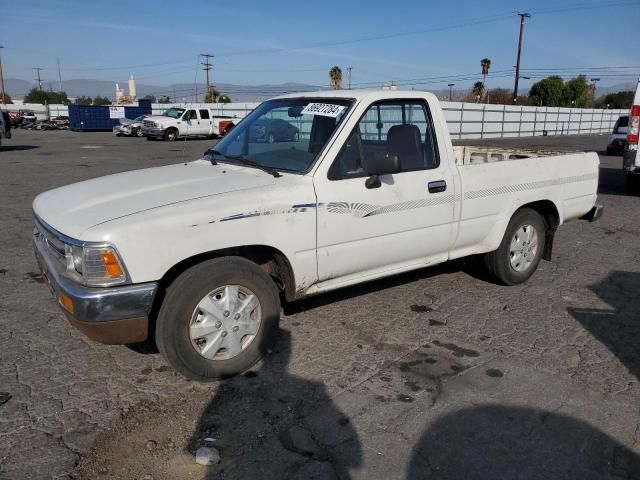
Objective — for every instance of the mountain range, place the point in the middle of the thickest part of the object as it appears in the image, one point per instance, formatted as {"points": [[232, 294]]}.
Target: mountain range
{"points": [[184, 92]]}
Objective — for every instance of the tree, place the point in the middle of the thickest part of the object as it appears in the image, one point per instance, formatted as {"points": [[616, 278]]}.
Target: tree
{"points": [[212, 95], [82, 100], [485, 64], [477, 91], [36, 95], [7, 98], [101, 101], [578, 92], [151, 98], [164, 99], [616, 100], [549, 92], [500, 96], [335, 78]]}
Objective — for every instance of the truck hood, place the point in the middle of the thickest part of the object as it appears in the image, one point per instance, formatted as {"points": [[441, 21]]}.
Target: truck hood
{"points": [[161, 118], [75, 208]]}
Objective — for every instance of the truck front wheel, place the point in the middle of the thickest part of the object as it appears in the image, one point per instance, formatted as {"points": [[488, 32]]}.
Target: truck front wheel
{"points": [[171, 134], [217, 318], [520, 251]]}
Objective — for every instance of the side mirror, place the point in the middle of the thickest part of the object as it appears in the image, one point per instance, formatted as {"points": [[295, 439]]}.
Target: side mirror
{"points": [[380, 165], [295, 112]]}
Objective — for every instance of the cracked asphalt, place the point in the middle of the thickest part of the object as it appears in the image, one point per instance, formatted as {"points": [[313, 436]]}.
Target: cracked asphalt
{"points": [[432, 374]]}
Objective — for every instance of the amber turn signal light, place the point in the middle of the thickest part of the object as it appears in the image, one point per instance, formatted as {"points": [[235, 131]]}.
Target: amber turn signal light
{"points": [[111, 264]]}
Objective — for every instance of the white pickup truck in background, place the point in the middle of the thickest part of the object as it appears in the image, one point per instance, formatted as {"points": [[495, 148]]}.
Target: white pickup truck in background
{"points": [[178, 122], [198, 256]]}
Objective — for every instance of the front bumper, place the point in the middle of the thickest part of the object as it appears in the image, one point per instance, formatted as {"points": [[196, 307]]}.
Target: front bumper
{"points": [[116, 315], [153, 132], [121, 130]]}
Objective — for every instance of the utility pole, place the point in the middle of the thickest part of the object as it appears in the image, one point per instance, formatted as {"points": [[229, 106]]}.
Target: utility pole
{"points": [[451, 85], [594, 80], [38, 70], [4, 102], [59, 77], [349, 73], [206, 68], [522, 16]]}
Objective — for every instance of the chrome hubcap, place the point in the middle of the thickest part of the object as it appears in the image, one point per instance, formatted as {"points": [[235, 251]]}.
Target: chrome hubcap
{"points": [[523, 248], [225, 322]]}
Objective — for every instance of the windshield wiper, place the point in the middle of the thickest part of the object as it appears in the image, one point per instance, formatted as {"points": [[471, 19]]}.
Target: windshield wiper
{"points": [[251, 163], [212, 151], [241, 160]]}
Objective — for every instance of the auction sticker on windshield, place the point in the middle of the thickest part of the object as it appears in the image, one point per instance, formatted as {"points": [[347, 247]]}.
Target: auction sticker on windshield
{"points": [[324, 109]]}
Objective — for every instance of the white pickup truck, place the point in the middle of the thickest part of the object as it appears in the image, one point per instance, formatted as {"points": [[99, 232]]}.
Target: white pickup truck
{"points": [[198, 256], [176, 122]]}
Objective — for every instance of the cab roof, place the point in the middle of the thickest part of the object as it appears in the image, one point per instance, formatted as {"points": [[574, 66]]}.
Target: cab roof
{"points": [[370, 95]]}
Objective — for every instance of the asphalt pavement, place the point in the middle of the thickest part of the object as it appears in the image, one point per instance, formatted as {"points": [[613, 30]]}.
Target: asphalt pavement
{"points": [[433, 374]]}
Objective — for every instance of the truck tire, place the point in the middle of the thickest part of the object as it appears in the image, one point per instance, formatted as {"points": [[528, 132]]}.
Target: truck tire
{"points": [[217, 318], [520, 251], [171, 134]]}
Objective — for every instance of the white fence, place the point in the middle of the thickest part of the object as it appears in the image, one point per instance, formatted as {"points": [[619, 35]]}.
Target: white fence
{"points": [[465, 120]]}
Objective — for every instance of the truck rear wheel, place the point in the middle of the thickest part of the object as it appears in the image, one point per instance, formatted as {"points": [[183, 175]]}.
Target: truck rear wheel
{"points": [[217, 318], [520, 251]]}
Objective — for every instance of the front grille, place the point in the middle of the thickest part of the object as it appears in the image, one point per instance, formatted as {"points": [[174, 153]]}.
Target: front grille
{"points": [[149, 123], [52, 242]]}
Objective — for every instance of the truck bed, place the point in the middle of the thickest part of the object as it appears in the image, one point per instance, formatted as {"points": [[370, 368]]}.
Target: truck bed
{"points": [[472, 155]]}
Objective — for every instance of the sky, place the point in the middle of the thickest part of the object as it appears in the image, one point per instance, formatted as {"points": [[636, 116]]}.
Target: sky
{"points": [[420, 44]]}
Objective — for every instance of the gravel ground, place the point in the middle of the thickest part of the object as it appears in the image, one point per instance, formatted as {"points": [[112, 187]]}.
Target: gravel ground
{"points": [[436, 373]]}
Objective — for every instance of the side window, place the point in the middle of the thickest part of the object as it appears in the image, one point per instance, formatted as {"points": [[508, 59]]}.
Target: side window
{"points": [[401, 128], [190, 115], [204, 114]]}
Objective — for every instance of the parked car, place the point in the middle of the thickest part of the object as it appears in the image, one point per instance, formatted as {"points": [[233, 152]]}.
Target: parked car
{"points": [[618, 137], [27, 116], [130, 127], [61, 121], [200, 254], [631, 155], [186, 122], [273, 130]]}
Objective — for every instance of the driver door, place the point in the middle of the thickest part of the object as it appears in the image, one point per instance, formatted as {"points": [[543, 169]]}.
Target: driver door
{"points": [[407, 221]]}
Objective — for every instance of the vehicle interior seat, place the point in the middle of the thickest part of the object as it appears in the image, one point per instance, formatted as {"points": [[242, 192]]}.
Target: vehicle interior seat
{"points": [[405, 142]]}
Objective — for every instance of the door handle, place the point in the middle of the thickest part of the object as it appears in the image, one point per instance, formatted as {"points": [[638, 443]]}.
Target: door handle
{"points": [[437, 186]]}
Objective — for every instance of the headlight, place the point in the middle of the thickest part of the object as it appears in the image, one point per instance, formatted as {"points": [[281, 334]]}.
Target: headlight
{"points": [[98, 266]]}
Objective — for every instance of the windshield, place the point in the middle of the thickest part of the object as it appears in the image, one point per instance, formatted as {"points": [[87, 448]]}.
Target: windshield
{"points": [[173, 112], [285, 134]]}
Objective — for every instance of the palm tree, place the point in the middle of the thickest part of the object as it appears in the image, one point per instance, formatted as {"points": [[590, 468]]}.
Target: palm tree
{"points": [[485, 63], [335, 78], [478, 90]]}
